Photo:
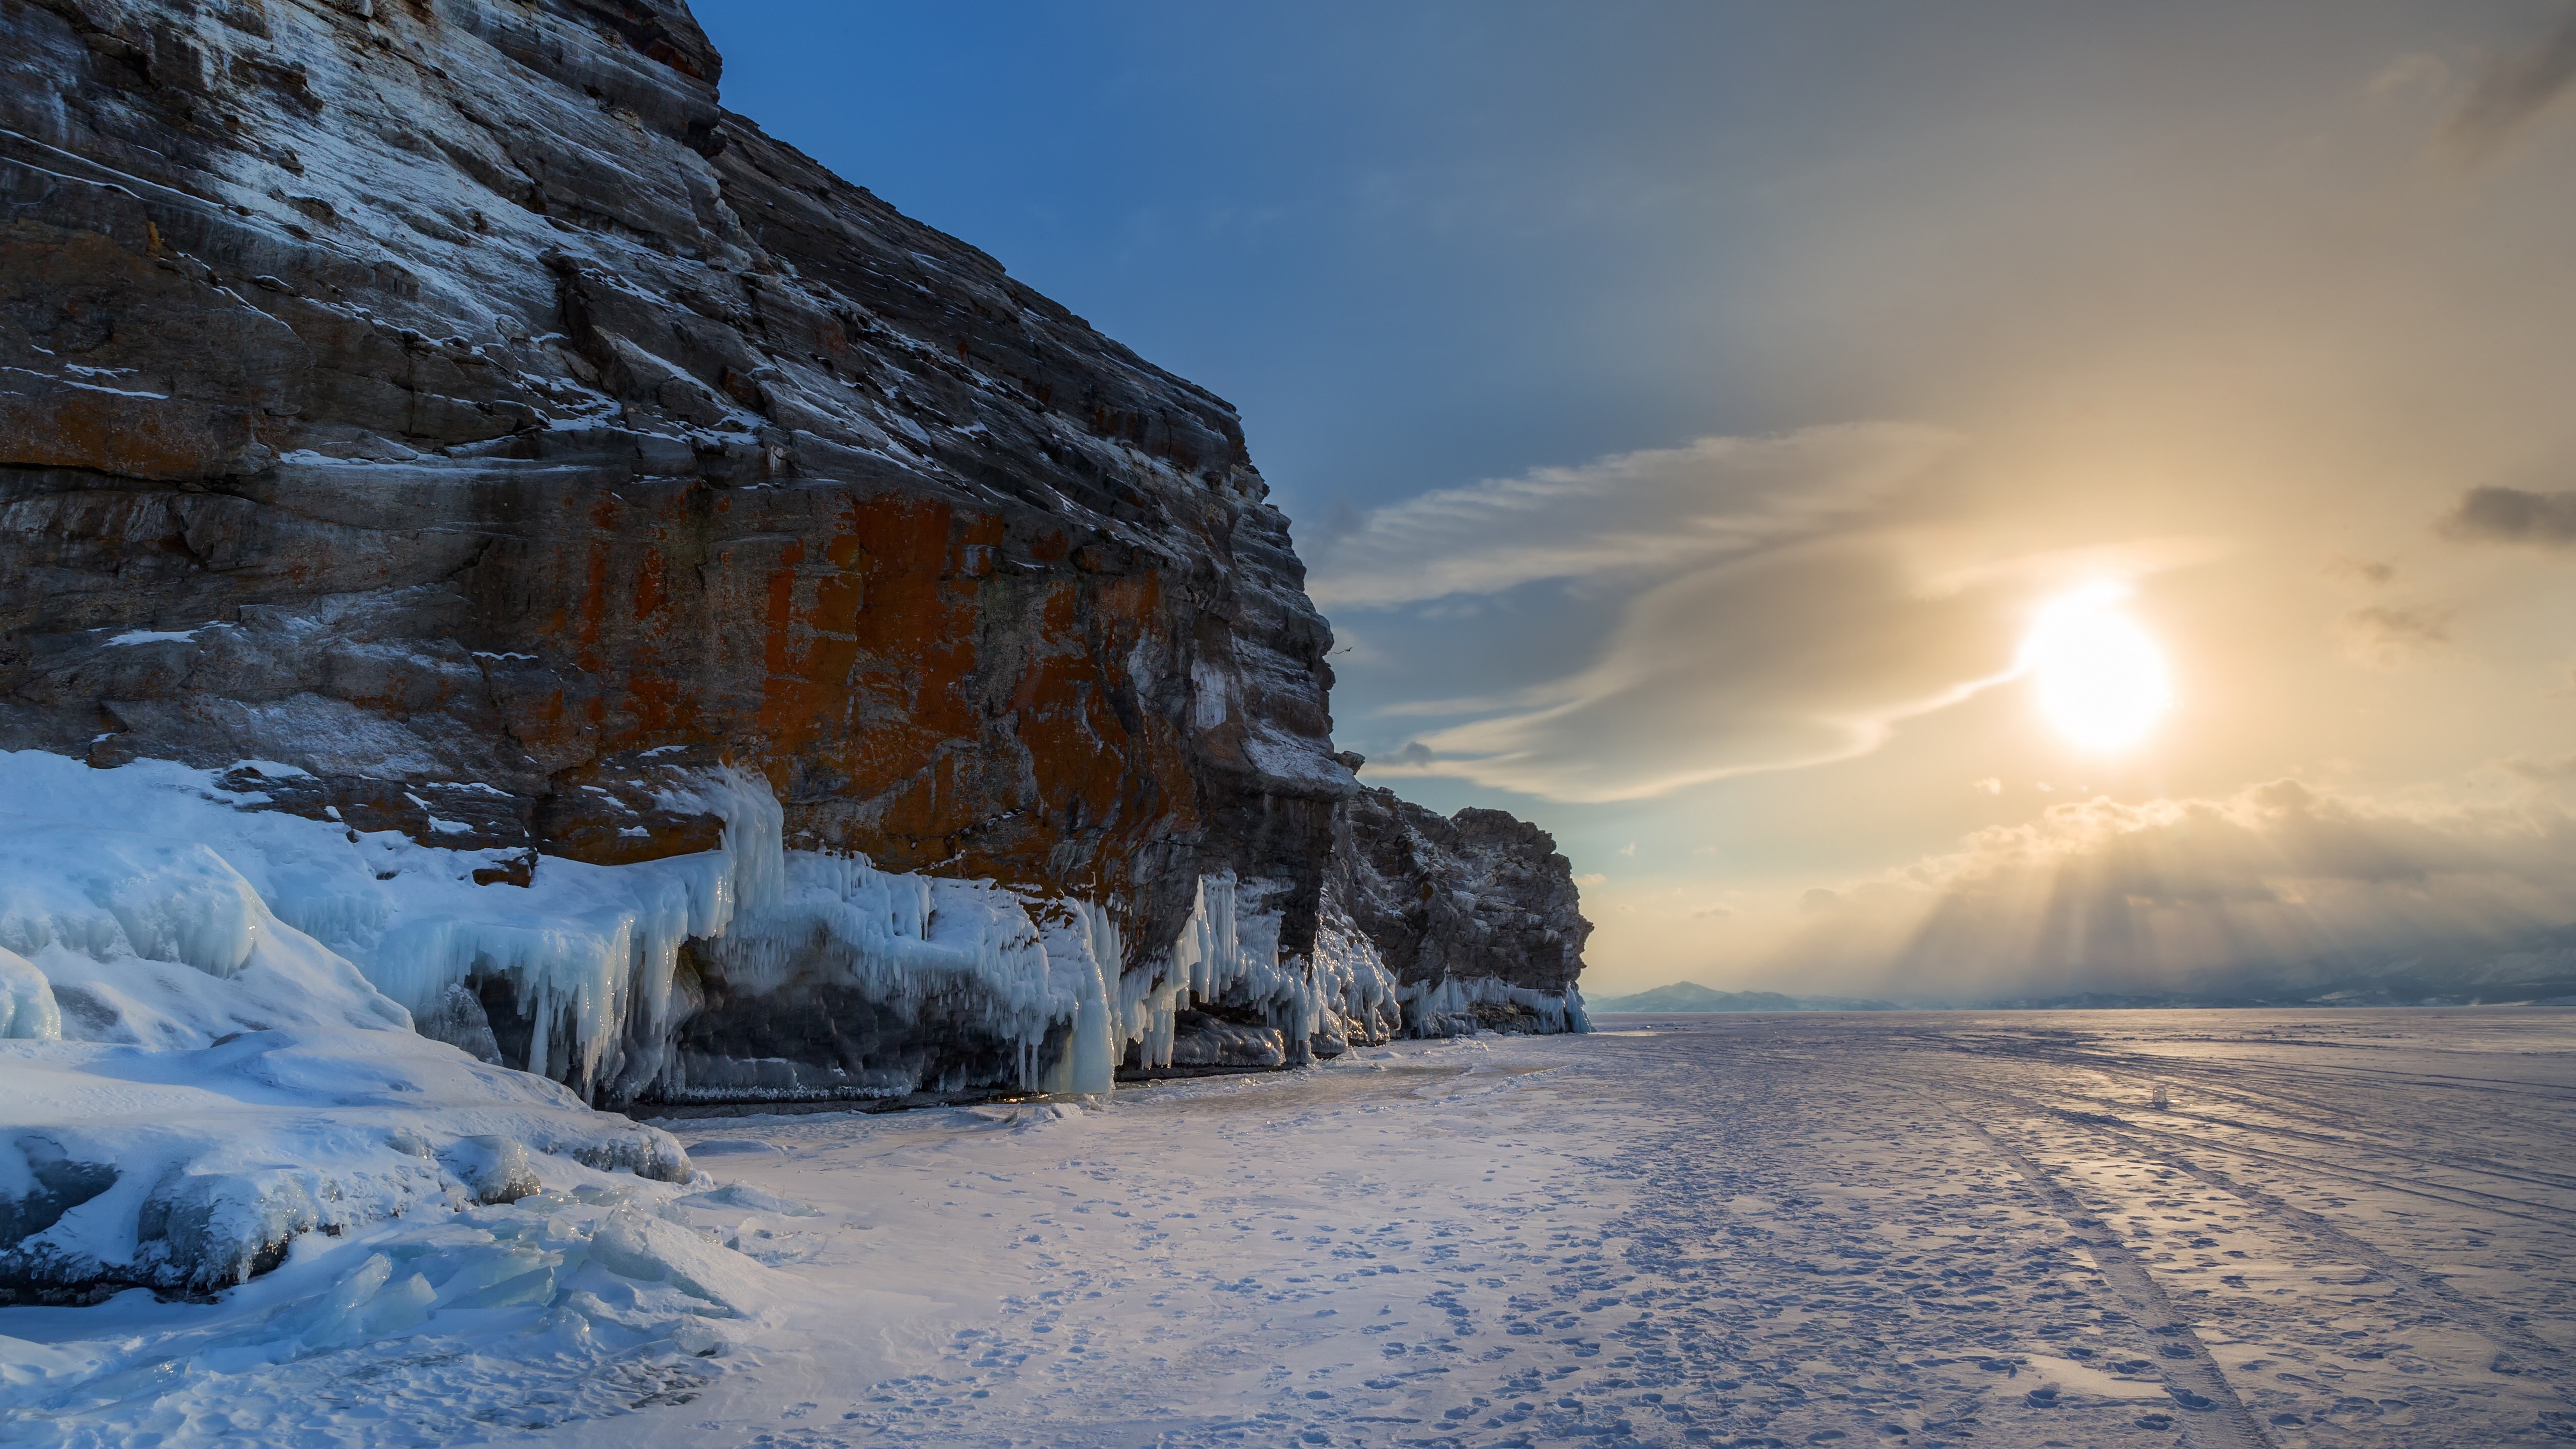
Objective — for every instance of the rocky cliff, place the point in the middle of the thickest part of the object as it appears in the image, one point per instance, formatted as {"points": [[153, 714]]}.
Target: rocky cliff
{"points": [[1475, 916], [443, 420]]}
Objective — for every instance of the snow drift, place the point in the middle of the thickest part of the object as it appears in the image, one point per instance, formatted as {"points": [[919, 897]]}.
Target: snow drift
{"points": [[591, 1295], [191, 1083]]}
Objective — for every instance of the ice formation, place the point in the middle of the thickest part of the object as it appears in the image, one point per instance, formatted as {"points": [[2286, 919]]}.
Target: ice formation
{"points": [[197, 875], [191, 1083], [1229, 956], [1448, 1007], [600, 962], [27, 1008], [564, 1304], [206, 1008], [1359, 1001]]}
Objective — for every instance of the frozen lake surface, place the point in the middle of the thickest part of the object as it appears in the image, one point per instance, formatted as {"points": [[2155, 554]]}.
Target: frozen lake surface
{"points": [[2343, 1228]]}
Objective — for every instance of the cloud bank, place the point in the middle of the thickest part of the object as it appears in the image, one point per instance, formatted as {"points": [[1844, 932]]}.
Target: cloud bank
{"points": [[2279, 885], [2512, 515]]}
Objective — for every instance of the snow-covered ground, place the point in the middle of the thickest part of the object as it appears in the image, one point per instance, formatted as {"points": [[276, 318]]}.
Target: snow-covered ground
{"points": [[2343, 1228]]}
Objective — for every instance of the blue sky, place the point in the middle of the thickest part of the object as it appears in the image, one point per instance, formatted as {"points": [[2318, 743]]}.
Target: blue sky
{"points": [[1754, 375], [1416, 245]]}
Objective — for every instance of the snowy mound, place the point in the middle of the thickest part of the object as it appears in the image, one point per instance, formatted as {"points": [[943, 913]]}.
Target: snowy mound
{"points": [[597, 1295], [188, 1083]]}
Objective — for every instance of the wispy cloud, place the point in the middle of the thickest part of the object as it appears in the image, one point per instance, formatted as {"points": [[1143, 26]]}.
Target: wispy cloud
{"points": [[2516, 88], [1791, 657], [1632, 515], [1781, 602], [2392, 636], [2367, 572]]}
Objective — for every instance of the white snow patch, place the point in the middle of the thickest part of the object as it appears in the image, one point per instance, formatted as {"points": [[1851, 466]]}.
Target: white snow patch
{"points": [[73, 382], [1303, 761], [443, 827]]}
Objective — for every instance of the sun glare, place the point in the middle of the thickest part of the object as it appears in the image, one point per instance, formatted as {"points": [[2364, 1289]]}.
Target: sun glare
{"points": [[2100, 679]]}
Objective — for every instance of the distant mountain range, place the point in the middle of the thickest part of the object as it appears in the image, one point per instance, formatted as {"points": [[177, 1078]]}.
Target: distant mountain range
{"points": [[2540, 970], [1689, 996]]}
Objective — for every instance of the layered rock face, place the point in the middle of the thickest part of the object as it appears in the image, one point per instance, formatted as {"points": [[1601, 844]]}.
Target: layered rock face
{"points": [[1476, 915], [449, 405]]}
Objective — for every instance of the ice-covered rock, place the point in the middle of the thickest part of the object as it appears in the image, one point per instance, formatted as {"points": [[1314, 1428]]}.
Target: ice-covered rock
{"points": [[570, 1292], [493, 1168], [109, 893], [744, 972], [671, 622], [189, 1082], [495, 438], [1201, 1039], [1475, 915], [28, 1011]]}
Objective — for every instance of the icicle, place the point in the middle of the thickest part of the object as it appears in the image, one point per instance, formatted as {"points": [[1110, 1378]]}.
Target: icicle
{"points": [[1447, 1007]]}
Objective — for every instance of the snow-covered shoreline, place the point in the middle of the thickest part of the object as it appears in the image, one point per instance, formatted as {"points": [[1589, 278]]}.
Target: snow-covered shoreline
{"points": [[207, 1007], [190, 1084], [2344, 1229]]}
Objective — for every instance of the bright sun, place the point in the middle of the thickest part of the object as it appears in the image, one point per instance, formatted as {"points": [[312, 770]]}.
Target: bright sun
{"points": [[2101, 680]]}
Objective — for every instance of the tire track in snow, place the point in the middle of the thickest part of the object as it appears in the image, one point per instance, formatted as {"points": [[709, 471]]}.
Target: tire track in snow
{"points": [[2196, 1383], [2561, 1217], [2147, 1145], [2365, 1140], [2359, 1134], [2462, 1308], [2390, 1145], [2281, 1081]]}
